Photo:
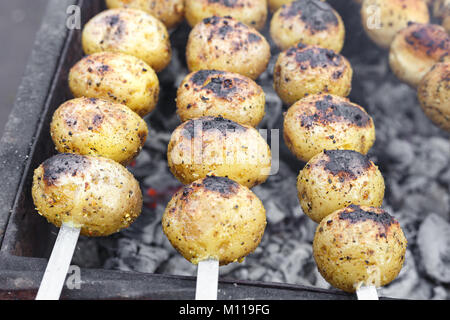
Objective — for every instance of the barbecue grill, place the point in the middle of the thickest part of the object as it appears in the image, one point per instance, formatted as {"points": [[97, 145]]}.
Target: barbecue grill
{"points": [[138, 264]]}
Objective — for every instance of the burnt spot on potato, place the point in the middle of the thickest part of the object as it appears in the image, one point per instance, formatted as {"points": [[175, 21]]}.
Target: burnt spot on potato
{"points": [[196, 127], [61, 165], [222, 185], [317, 15], [355, 214], [217, 83], [228, 3], [346, 164], [329, 111], [428, 38], [200, 77], [314, 56]]}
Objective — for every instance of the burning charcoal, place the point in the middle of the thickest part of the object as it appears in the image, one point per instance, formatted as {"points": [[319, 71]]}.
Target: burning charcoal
{"points": [[434, 245], [179, 266], [297, 265], [400, 152]]}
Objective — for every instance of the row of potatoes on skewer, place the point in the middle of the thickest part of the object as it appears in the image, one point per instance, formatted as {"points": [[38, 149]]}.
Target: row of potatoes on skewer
{"points": [[216, 215]]}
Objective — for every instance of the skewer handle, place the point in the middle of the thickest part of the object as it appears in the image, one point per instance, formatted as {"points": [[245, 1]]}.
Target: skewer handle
{"points": [[367, 293], [58, 264], [207, 280]]}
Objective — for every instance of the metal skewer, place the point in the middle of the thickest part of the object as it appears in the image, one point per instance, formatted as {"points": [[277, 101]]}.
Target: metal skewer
{"points": [[207, 280], [367, 293], [59, 263]]}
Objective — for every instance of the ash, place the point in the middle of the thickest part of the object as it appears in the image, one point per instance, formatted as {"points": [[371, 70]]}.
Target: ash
{"points": [[413, 155]]}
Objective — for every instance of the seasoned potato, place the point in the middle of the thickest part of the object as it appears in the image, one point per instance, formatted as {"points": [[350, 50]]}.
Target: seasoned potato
{"points": [[214, 218], [170, 12], [441, 9], [382, 19], [434, 95], [220, 147], [220, 93], [116, 77], [96, 194], [96, 127], [358, 246], [304, 70], [129, 31], [416, 49], [334, 179], [324, 122], [226, 44], [309, 22], [251, 12]]}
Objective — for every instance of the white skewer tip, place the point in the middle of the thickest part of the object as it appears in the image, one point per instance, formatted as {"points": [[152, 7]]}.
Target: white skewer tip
{"points": [[58, 264], [367, 293], [207, 280]]}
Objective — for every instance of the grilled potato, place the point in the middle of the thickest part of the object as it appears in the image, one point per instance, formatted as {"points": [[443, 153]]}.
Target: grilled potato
{"points": [[214, 218], [220, 93], [357, 246], [169, 12], [434, 95], [310, 22], [96, 127], [129, 31], [95, 194], [324, 122], [220, 147], [116, 77], [274, 5], [226, 44], [334, 179], [251, 12], [303, 70], [416, 49], [382, 19]]}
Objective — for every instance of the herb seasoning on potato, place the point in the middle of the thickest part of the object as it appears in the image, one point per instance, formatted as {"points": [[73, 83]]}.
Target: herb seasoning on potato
{"points": [[334, 179], [116, 77], [96, 127], [220, 93]]}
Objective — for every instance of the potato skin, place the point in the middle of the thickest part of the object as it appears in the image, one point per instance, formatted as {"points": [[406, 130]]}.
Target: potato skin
{"points": [[229, 45], [220, 93], [359, 245], [221, 147], [251, 12], [334, 179], [129, 31], [325, 122], [416, 49], [214, 218], [116, 77], [96, 194], [394, 15], [169, 12], [96, 127], [310, 22], [303, 70], [434, 95]]}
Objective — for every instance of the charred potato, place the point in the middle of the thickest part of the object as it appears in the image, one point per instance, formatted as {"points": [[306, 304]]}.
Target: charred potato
{"points": [[304, 70], [251, 12], [98, 195], [334, 179], [310, 22], [358, 246], [324, 122], [169, 12], [274, 5], [416, 49], [129, 31], [434, 95], [441, 9], [96, 127], [116, 77], [226, 44], [220, 147], [382, 19], [220, 93], [214, 218]]}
